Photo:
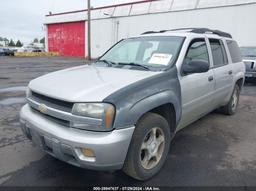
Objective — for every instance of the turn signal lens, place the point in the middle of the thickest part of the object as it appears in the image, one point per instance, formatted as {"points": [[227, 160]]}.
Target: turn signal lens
{"points": [[88, 152], [110, 111]]}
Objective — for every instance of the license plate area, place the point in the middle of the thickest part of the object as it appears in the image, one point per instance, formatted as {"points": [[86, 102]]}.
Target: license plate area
{"points": [[248, 75]]}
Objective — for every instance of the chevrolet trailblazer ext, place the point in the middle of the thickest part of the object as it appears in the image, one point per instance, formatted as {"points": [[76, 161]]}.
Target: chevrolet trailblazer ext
{"points": [[122, 111]]}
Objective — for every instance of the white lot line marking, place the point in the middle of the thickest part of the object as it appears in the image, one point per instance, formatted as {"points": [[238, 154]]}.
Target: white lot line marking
{"points": [[3, 179], [13, 89], [11, 101]]}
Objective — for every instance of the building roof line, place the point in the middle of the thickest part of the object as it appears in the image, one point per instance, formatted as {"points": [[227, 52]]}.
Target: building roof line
{"points": [[102, 7]]}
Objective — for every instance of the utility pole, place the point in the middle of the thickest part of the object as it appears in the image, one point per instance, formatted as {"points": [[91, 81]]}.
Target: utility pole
{"points": [[89, 30]]}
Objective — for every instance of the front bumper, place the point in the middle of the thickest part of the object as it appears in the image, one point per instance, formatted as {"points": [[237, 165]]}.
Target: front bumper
{"points": [[65, 143], [250, 74]]}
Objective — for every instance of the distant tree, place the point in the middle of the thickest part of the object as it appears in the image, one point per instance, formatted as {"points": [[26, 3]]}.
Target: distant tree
{"points": [[19, 44], [6, 41], [11, 43], [42, 40], [1, 39], [36, 40]]}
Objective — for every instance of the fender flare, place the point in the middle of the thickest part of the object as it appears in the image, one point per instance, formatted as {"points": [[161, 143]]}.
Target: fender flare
{"points": [[145, 105]]}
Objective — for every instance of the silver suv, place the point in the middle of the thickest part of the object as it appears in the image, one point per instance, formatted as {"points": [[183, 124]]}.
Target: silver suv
{"points": [[249, 58], [122, 111]]}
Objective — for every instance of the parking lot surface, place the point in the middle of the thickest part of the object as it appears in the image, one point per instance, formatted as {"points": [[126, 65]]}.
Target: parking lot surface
{"points": [[217, 150]]}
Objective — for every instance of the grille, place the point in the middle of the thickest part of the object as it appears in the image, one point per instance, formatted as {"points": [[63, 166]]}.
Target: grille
{"points": [[249, 65], [53, 119], [51, 102]]}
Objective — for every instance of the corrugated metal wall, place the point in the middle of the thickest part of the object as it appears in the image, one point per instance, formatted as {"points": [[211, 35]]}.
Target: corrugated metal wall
{"points": [[163, 6], [237, 20]]}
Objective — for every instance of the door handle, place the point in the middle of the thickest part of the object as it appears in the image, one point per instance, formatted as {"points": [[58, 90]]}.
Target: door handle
{"points": [[210, 78], [230, 72]]}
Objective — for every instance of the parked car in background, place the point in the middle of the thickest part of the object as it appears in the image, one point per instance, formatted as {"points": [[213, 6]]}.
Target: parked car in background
{"points": [[31, 48], [122, 111], [14, 49], [6, 52], [26, 48], [2, 52], [37, 49], [249, 59]]}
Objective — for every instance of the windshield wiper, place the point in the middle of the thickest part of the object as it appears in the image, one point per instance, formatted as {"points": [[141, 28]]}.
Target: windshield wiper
{"points": [[134, 64], [109, 63]]}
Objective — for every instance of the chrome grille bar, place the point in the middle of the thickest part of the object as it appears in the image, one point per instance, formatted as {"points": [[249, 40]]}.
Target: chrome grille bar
{"points": [[63, 114]]}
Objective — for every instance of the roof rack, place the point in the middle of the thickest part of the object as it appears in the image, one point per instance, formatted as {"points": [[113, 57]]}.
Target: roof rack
{"points": [[195, 30], [150, 32]]}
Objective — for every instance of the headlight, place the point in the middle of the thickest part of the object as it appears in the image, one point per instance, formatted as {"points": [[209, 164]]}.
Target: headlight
{"points": [[100, 116]]}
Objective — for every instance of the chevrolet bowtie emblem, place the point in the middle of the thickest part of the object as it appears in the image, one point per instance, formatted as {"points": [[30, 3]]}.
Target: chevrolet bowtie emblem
{"points": [[42, 108]]}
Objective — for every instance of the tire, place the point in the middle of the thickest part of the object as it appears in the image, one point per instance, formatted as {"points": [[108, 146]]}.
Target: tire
{"points": [[144, 131], [230, 108]]}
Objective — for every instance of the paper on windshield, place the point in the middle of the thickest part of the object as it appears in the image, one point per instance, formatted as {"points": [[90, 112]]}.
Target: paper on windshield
{"points": [[162, 59]]}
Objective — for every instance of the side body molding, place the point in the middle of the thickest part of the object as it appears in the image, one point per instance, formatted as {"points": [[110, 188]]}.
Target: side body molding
{"points": [[140, 97]]}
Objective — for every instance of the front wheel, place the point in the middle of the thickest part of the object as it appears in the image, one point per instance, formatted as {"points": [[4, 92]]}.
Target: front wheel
{"points": [[231, 107], [149, 147]]}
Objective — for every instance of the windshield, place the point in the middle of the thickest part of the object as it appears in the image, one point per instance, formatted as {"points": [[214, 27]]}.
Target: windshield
{"points": [[150, 52], [248, 51]]}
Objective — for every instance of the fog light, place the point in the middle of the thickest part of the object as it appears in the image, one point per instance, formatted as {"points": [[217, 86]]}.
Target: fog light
{"points": [[88, 152]]}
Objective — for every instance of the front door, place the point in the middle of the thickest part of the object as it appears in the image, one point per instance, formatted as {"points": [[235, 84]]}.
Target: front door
{"points": [[197, 88]]}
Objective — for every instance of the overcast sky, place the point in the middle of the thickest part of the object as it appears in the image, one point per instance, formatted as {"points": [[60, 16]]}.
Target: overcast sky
{"points": [[23, 19]]}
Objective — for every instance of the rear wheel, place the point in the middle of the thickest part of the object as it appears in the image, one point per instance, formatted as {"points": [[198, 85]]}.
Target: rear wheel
{"points": [[231, 107], [149, 147]]}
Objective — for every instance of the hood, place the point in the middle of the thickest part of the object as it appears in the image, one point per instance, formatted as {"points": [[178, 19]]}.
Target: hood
{"points": [[249, 59], [86, 83]]}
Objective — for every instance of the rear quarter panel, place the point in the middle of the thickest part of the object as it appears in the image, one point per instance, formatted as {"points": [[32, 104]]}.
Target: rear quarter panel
{"points": [[237, 68]]}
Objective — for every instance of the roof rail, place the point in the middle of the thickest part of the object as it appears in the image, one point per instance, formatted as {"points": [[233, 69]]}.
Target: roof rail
{"points": [[206, 30], [195, 30], [149, 32]]}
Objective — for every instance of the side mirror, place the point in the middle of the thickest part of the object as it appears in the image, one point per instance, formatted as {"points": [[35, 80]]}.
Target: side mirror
{"points": [[195, 66]]}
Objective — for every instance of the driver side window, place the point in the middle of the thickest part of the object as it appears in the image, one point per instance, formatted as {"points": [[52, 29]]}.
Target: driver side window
{"points": [[197, 51]]}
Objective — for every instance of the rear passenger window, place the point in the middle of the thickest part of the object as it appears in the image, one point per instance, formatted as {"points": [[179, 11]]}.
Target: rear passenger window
{"points": [[234, 51], [218, 52], [197, 51]]}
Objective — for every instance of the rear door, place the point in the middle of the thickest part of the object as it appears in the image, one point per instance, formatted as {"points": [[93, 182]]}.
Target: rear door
{"points": [[223, 72]]}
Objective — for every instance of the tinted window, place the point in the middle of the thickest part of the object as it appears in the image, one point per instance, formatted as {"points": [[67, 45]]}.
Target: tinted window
{"points": [[234, 51], [197, 51], [218, 52]]}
